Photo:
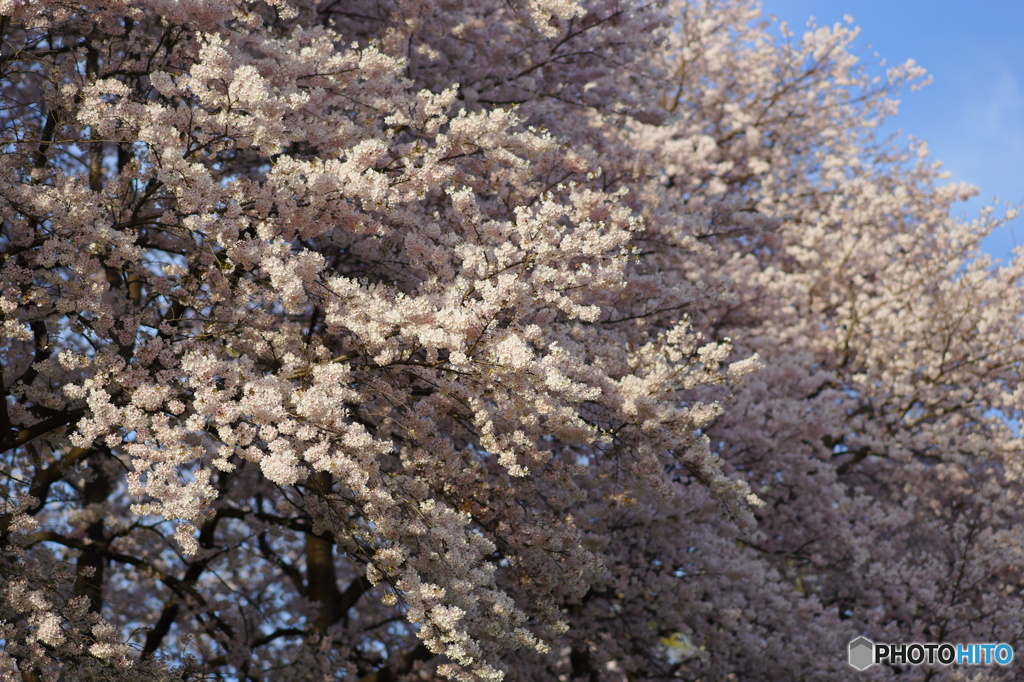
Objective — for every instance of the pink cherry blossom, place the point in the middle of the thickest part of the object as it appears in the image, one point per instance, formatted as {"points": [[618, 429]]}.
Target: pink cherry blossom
{"points": [[547, 340]]}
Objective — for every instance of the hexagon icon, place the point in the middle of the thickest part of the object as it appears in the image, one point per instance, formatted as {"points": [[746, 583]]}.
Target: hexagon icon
{"points": [[862, 653]]}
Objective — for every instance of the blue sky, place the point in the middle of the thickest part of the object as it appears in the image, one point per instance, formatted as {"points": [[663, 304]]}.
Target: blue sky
{"points": [[972, 115]]}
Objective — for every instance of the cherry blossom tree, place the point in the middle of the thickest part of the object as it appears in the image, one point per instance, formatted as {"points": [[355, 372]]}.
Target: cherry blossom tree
{"points": [[402, 340]]}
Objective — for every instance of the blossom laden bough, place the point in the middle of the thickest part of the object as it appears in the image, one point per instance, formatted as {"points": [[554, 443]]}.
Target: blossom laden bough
{"points": [[550, 341]]}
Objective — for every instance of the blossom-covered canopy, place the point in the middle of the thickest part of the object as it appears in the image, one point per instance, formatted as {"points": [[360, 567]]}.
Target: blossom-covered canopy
{"points": [[548, 340]]}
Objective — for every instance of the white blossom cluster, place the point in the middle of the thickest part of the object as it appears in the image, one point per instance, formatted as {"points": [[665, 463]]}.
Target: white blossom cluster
{"points": [[557, 339]]}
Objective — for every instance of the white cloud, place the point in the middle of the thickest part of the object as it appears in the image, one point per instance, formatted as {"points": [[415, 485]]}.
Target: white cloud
{"points": [[1001, 114]]}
